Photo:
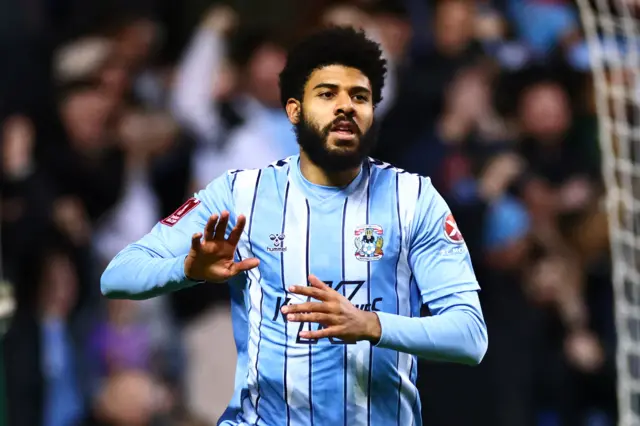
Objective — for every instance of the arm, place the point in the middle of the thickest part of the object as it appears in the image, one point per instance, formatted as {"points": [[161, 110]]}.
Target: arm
{"points": [[191, 101], [154, 264], [442, 268], [456, 332]]}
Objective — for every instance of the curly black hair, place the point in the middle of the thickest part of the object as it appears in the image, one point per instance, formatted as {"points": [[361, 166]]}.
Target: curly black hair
{"points": [[333, 46]]}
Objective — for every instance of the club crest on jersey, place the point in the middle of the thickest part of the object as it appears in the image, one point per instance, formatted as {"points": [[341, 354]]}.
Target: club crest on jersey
{"points": [[369, 242], [451, 231]]}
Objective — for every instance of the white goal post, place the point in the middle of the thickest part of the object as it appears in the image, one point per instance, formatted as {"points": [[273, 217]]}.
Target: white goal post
{"points": [[612, 33]]}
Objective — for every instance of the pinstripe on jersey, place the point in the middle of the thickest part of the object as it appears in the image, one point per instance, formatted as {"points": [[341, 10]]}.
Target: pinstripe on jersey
{"points": [[290, 381], [385, 241]]}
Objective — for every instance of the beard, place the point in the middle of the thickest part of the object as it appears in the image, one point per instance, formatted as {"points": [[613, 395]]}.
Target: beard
{"points": [[314, 142]]}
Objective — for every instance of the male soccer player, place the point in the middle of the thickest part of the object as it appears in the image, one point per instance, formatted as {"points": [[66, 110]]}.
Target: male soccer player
{"points": [[329, 254]]}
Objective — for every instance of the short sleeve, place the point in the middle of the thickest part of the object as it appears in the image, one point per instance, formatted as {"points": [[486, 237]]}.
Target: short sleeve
{"points": [[438, 256]]}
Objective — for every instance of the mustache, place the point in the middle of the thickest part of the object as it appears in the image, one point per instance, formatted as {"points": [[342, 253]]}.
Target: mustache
{"points": [[340, 118], [344, 118]]}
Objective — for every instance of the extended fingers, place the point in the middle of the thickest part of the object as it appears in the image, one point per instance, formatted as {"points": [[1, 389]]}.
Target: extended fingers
{"points": [[244, 265], [195, 241], [317, 283], [315, 317], [332, 331], [236, 232], [221, 227], [316, 293], [210, 227], [216, 227], [306, 307]]}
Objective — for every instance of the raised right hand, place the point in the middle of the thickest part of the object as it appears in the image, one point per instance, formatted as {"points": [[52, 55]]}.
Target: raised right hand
{"points": [[211, 257], [221, 19]]}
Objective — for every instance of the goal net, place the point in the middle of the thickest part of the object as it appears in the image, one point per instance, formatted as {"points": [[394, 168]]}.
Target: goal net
{"points": [[611, 30]]}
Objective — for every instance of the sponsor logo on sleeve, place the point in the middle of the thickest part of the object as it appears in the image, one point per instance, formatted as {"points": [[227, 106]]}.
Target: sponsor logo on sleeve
{"points": [[451, 231]]}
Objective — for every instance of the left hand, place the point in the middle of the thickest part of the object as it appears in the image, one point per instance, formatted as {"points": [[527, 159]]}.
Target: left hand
{"points": [[340, 318]]}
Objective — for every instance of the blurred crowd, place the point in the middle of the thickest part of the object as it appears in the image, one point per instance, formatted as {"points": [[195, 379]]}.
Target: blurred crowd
{"points": [[113, 112]]}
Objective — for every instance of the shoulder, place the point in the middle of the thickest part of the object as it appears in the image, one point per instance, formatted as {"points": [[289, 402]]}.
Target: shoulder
{"points": [[235, 180], [282, 166], [273, 168], [411, 183], [419, 203]]}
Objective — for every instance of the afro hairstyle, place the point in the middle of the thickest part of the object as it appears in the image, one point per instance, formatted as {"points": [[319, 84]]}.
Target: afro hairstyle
{"points": [[344, 46]]}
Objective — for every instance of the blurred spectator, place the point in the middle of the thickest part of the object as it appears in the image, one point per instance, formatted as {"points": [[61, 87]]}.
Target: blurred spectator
{"points": [[27, 199], [131, 398], [42, 347], [544, 25], [129, 341], [259, 124], [387, 27], [421, 82], [85, 163], [120, 343]]}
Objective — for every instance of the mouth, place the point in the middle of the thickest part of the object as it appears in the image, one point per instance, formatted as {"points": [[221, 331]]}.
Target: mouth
{"points": [[344, 130]]}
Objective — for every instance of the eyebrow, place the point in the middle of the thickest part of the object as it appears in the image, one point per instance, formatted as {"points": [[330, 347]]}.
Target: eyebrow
{"points": [[335, 86]]}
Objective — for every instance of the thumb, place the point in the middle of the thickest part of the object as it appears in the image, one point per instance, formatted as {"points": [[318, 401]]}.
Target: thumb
{"points": [[244, 265]]}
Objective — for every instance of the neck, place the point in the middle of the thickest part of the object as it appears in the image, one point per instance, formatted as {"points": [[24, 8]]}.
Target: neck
{"points": [[319, 176]]}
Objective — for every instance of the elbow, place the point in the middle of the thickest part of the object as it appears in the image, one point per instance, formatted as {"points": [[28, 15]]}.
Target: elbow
{"points": [[476, 354], [127, 276], [479, 343], [107, 287], [111, 290], [112, 286]]}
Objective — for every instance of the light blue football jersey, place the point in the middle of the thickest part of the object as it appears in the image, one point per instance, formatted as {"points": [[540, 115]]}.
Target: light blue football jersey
{"points": [[387, 242]]}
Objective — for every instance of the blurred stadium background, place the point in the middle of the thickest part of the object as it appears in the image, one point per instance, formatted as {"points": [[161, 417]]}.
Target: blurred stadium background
{"points": [[112, 111]]}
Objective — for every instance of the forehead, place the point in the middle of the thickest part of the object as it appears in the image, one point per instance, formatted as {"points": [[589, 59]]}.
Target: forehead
{"points": [[338, 75]]}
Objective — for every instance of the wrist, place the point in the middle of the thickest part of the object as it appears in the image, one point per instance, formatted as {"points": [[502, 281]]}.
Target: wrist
{"points": [[185, 268], [372, 327]]}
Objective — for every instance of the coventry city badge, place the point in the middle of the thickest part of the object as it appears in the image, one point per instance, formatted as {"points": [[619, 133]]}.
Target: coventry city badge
{"points": [[369, 242]]}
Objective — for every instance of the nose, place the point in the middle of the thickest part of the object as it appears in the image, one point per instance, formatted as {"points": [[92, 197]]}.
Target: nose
{"points": [[344, 105]]}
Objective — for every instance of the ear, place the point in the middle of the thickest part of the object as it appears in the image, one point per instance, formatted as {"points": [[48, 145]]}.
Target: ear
{"points": [[294, 110]]}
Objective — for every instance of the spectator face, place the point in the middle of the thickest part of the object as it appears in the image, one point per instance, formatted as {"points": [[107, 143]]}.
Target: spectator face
{"points": [[85, 114], [59, 286], [395, 35], [135, 41], [115, 78], [128, 399], [334, 121], [453, 26], [345, 15], [544, 112], [264, 69], [469, 96]]}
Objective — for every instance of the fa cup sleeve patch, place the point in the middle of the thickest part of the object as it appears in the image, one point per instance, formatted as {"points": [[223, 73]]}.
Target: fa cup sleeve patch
{"points": [[182, 211]]}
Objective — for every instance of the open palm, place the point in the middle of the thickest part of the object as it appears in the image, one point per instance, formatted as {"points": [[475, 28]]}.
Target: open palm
{"points": [[211, 257]]}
